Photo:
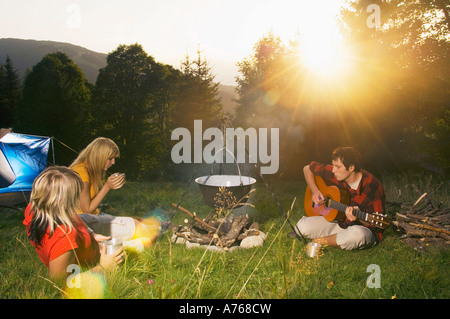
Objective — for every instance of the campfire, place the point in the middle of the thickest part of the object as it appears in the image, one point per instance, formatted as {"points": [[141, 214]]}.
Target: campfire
{"points": [[220, 230], [424, 224]]}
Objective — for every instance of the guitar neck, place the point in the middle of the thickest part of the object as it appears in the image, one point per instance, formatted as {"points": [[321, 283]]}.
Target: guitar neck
{"points": [[342, 207]]}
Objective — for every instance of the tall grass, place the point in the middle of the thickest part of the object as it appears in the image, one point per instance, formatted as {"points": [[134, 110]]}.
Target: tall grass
{"points": [[278, 269], [408, 187]]}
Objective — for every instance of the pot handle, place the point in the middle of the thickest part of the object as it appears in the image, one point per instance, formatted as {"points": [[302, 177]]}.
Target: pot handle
{"points": [[237, 165]]}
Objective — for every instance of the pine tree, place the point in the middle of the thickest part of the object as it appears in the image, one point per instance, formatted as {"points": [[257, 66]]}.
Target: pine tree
{"points": [[10, 93], [55, 102], [3, 105], [198, 94], [123, 104]]}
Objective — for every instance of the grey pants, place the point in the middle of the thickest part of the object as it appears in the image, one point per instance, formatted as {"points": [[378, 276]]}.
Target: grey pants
{"points": [[108, 225]]}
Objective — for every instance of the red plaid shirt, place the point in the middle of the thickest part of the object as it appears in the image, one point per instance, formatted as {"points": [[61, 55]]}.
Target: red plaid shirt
{"points": [[369, 197]]}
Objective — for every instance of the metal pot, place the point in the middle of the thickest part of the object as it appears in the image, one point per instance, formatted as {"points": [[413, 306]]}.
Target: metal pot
{"points": [[238, 185]]}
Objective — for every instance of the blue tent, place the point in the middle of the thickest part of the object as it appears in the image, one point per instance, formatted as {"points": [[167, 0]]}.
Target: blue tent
{"points": [[22, 158]]}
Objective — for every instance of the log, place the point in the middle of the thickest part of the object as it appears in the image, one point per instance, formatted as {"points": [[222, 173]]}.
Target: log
{"points": [[440, 230], [201, 224], [432, 211], [222, 224], [441, 219], [417, 218], [410, 230], [419, 200], [202, 239], [236, 227], [424, 224], [442, 212], [224, 241]]}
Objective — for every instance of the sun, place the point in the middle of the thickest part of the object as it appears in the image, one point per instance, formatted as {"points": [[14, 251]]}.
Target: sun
{"points": [[324, 54], [321, 47]]}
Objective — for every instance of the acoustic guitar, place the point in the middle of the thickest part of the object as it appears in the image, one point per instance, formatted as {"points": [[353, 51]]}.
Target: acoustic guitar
{"points": [[336, 201]]}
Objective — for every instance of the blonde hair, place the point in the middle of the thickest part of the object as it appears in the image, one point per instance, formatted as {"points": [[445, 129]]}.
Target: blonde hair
{"points": [[94, 156], [54, 199]]}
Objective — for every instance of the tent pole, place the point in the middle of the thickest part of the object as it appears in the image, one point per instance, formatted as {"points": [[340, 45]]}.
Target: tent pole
{"points": [[53, 151]]}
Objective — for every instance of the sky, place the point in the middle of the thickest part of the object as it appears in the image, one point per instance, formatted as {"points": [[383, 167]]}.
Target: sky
{"points": [[168, 30]]}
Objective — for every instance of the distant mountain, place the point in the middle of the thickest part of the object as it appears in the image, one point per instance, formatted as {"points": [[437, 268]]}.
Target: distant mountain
{"points": [[26, 53]]}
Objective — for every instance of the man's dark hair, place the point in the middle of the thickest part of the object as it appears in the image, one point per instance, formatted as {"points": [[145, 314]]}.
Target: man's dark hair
{"points": [[348, 156]]}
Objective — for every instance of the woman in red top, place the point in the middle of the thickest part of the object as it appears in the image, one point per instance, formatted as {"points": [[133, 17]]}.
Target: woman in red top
{"points": [[55, 229]]}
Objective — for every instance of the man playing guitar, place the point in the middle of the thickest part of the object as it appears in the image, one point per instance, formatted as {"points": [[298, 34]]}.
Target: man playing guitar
{"points": [[366, 194]]}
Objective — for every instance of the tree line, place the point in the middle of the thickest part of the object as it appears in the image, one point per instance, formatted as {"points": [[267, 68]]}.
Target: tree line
{"points": [[135, 101], [392, 103]]}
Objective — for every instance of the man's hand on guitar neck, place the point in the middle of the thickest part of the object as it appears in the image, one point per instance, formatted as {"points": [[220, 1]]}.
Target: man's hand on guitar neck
{"points": [[349, 213]]}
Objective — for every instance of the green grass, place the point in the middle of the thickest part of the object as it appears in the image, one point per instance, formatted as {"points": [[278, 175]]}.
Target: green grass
{"points": [[279, 269]]}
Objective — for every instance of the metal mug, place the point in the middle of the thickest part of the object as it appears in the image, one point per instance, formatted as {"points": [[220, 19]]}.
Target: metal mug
{"points": [[313, 249], [113, 245]]}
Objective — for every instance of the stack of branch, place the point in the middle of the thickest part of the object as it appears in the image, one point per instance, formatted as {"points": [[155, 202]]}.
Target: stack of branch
{"points": [[222, 233], [424, 224]]}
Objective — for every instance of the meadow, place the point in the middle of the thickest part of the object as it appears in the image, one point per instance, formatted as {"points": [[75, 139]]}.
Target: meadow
{"points": [[279, 269]]}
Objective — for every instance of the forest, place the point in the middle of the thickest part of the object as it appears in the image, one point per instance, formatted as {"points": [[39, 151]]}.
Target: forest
{"points": [[391, 101]]}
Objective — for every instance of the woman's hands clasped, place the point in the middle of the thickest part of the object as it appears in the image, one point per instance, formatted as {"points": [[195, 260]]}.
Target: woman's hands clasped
{"points": [[115, 181]]}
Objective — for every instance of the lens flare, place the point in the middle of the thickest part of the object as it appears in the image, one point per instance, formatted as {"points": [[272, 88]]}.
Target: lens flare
{"points": [[87, 285], [150, 227]]}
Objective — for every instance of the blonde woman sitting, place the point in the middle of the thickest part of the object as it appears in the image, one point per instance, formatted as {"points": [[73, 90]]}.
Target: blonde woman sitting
{"points": [[92, 164], [55, 229]]}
